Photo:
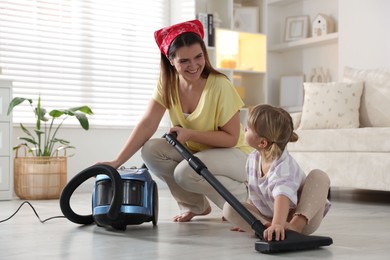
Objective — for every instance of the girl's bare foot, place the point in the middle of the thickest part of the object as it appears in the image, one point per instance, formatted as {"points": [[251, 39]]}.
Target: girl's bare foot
{"points": [[297, 223], [187, 216]]}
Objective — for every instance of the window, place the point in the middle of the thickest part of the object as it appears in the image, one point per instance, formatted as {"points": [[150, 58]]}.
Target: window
{"points": [[82, 52]]}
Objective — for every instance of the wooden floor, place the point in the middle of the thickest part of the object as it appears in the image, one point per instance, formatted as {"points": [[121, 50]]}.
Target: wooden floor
{"points": [[358, 222]]}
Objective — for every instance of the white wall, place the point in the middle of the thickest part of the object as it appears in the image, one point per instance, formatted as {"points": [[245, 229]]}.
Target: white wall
{"points": [[364, 34]]}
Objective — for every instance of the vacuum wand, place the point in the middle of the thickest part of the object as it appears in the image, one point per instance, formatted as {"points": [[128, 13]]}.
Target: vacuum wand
{"points": [[202, 170]]}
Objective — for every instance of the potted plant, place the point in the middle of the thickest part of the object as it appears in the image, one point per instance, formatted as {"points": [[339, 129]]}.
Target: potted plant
{"points": [[43, 173]]}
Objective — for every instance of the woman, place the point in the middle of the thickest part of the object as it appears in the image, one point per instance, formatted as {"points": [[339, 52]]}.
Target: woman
{"points": [[204, 112]]}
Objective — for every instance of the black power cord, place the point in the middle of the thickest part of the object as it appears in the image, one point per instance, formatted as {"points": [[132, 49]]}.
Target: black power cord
{"points": [[36, 214]]}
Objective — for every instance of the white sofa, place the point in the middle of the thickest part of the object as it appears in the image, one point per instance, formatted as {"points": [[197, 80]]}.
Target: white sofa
{"points": [[353, 144]]}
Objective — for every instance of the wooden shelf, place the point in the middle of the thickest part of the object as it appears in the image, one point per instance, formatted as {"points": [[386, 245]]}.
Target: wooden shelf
{"points": [[280, 2], [305, 43], [238, 71]]}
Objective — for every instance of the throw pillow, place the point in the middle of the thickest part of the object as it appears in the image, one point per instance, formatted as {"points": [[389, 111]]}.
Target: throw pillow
{"points": [[374, 109], [331, 105]]}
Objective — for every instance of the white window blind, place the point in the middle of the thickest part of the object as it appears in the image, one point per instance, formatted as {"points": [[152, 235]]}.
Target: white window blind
{"points": [[82, 52]]}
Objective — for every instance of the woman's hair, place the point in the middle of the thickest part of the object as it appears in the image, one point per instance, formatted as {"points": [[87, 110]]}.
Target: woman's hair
{"points": [[168, 72], [276, 125]]}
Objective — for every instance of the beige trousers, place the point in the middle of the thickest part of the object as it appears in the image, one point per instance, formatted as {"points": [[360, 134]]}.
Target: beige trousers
{"points": [[311, 204], [189, 189]]}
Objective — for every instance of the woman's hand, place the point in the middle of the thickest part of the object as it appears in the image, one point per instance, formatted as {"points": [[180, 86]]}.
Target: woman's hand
{"points": [[113, 164], [182, 134]]}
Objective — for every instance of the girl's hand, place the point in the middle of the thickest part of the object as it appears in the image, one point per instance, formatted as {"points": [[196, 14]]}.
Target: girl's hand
{"points": [[274, 232]]}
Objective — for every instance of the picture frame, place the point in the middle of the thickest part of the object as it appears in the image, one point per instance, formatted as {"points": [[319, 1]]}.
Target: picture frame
{"points": [[296, 27], [246, 19]]}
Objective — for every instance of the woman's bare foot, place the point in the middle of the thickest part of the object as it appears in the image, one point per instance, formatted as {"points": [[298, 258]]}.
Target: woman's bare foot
{"points": [[187, 216], [237, 229]]}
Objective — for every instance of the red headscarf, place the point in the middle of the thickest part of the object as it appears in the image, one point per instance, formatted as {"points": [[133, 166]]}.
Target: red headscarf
{"points": [[166, 35]]}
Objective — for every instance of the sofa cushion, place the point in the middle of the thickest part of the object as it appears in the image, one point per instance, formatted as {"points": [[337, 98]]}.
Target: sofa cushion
{"points": [[331, 105], [375, 102], [367, 139], [296, 117], [358, 170]]}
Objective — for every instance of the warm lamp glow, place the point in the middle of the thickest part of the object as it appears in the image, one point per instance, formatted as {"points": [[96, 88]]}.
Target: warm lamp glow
{"points": [[228, 49], [229, 40], [241, 50]]}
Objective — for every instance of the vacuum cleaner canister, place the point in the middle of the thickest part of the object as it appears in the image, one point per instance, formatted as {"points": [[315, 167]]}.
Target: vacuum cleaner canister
{"points": [[127, 196], [140, 199]]}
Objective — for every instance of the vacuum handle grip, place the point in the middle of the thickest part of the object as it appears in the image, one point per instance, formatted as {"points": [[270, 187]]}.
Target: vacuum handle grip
{"points": [[171, 138]]}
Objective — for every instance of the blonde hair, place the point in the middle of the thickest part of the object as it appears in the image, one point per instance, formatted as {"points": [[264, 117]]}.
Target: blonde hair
{"points": [[274, 124]]}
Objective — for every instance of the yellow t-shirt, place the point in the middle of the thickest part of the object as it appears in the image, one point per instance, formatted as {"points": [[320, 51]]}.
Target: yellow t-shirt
{"points": [[217, 105]]}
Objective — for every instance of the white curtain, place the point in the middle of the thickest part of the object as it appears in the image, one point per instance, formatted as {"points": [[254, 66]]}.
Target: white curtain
{"points": [[82, 52]]}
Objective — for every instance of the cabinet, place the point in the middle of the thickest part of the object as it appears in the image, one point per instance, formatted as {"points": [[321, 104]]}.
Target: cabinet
{"points": [[5, 141], [238, 53], [298, 57]]}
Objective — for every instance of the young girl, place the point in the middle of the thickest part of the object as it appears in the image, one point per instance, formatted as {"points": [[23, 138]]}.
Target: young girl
{"points": [[280, 194]]}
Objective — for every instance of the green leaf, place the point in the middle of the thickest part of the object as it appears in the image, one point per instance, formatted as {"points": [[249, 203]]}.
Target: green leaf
{"points": [[29, 149], [85, 109], [20, 145], [30, 140], [25, 130], [15, 102], [56, 113], [61, 141], [83, 120], [38, 132], [41, 114]]}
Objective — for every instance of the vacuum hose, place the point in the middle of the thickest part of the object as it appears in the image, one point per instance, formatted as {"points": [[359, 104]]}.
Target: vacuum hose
{"points": [[117, 196]]}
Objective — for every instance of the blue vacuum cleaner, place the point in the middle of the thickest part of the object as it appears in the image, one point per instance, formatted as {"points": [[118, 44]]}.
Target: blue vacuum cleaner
{"points": [[127, 196], [293, 241]]}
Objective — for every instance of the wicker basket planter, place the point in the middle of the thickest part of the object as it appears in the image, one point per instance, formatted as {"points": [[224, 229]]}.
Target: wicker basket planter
{"points": [[38, 178], [43, 175]]}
